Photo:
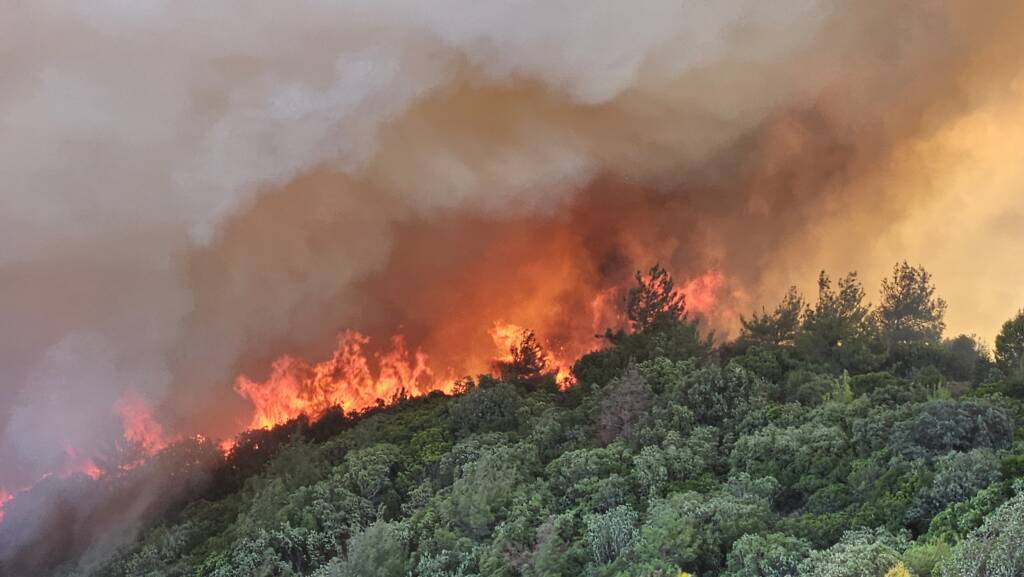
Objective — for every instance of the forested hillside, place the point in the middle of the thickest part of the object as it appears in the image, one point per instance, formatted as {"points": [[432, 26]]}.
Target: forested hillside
{"points": [[831, 438]]}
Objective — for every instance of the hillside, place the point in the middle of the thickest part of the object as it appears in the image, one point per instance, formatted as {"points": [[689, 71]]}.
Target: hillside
{"points": [[830, 438]]}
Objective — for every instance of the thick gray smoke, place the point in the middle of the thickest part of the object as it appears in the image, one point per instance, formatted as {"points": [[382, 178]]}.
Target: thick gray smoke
{"points": [[191, 188]]}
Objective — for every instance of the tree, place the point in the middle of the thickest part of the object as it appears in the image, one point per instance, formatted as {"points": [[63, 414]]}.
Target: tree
{"points": [[965, 358], [838, 332], [1010, 346], [483, 409], [940, 426], [768, 555], [958, 477], [804, 459], [369, 470], [860, 553], [778, 327], [527, 360], [654, 302], [379, 551], [994, 549], [481, 493], [610, 534], [910, 313], [693, 530], [627, 400], [719, 394]]}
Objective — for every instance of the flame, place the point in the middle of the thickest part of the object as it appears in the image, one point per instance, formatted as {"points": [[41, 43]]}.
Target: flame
{"points": [[356, 378], [5, 496], [348, 379], [360, 375], [75, 463], [506, 336], [702, 292], [606, 310], [139, 426], [226, 446]]}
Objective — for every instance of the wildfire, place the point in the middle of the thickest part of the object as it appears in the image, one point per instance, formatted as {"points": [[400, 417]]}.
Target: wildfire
{"points": [[606, 310], [75, 463], [5, 496], [507, 336], [351, 378], [702, 292], [359, 374], [356, 378], [139, 426]]}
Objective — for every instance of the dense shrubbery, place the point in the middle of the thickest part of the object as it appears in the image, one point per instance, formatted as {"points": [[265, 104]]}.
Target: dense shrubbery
{"points": [[830, 439]]}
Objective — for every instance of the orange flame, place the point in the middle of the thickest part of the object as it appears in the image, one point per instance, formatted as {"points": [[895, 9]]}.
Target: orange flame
{"points": [[5, 496], [348, 379], [506, 336], [138, 423], [702, 292], [75, 463], [356, 379]]}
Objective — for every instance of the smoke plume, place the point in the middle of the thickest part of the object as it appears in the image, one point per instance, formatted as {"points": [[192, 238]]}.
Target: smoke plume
{"points": [[193, 189]]}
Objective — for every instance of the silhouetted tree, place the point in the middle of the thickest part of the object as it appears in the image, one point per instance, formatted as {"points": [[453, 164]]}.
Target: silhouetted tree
{"points": [[1010, 346], [527, 361], [778, 327], [910, 312], [654, 301], [839, 330]]}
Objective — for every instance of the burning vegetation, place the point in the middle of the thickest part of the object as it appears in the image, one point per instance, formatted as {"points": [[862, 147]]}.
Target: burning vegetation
{"points": [[659, 449], [240, 233], [358, 376]]}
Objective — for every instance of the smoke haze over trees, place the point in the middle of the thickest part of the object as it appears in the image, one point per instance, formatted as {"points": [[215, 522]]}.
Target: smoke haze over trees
{"points": [[777, 453], [190, 193]]}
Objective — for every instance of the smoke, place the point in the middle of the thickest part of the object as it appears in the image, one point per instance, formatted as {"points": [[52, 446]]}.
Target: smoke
{"points": [[193, 189]]}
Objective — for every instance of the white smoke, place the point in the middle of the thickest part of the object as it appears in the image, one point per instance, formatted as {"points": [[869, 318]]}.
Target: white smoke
{"points": [[186, 182]]}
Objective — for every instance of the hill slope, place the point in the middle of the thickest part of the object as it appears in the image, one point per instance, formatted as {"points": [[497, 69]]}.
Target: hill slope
{"points": [[815, 444]]}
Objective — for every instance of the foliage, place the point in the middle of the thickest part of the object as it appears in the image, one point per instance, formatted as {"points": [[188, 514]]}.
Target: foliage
{"points": [[839, 332], [859, 553], [1010, 346], [609, 534], [767, 555], [779, 327], [527, 362], [909, 311], [898, 570], [830, 439], [994, 549], [654, 302]]}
